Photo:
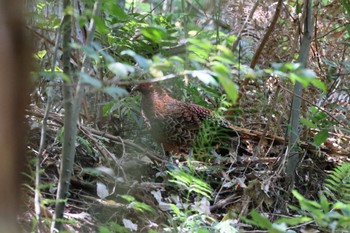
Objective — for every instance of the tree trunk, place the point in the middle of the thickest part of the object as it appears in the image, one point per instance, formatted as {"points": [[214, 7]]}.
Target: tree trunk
{"points": [[294, 155], [14, 81]]}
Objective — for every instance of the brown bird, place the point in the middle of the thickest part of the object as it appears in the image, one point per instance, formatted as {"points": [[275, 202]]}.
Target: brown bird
{"points": [[173, 123]]}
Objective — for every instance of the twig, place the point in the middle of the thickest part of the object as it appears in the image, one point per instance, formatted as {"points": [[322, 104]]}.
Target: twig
{"points": [[261, 46], [314, 105], [267, 34], [37, 164], [35, 111], [267, 126]]}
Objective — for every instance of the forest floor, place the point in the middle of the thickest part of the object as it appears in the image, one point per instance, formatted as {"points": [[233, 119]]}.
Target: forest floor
{"points": [[125, 182]]}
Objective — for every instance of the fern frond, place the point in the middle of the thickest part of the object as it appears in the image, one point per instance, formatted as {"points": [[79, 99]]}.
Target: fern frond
{"points": [[338, 183]]}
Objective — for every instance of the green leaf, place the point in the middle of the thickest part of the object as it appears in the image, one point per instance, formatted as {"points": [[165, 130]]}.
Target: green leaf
{"points": [[115, 227], [296, 78], [223, 59], [106, 56], [91, 52], [226, 55], [202, 230], [117, 11], [60, 135], [308, 123], [346, 5], [285, 67], [223, 75], [205, 77], [324, 203], [104, 230], [195, 57], [106, 110], [121, 69], [319, 84], [321, 137], [330, 63], [154, 34], [191, 183], [40, 54], [230, 88], [340, 205], [205, 45], [226, 226], [307, 74], [198, 51], [64, 77], [152, 231], [87, 79], [100, 25], [115, 92], [260, 220], [139, 206], [292, 221], [220, 69], [128, 198], [297, 195], [142, 61], [175, 209]]}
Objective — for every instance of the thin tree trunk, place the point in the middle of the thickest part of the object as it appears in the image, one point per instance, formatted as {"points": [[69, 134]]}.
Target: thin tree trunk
{"points": [[72, 110], [68, 153], [294, 156]]}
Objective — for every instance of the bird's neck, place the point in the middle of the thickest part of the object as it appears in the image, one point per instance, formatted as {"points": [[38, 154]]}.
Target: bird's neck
{"points": [[156, 102]]}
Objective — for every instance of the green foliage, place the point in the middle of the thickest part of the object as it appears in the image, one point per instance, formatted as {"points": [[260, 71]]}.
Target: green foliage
{"points": [[190, 221], [295, 72], [40, 54], [263, 222], [190, 183], [84, 143], [219, 59], [194, 216], [136, 44], [331, 216], [346, 6], [338, 183], [226, 226], [136, 205], [318, 120], [212, 134], [113, 227]]}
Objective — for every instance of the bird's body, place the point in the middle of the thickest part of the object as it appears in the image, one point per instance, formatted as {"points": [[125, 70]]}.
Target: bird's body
{"points": [[173, 123]]}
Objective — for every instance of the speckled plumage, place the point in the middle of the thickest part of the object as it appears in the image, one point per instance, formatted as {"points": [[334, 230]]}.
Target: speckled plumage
{"points": [[172, 123]]}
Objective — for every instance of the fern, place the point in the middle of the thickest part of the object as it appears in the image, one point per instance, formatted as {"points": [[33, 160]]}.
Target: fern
{"points": [[338, 183]]}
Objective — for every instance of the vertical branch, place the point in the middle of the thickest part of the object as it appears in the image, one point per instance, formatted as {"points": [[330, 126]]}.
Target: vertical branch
{"points": [[166, 7], [72, 109], [183, 10], [293, 133], [217, 18], [80, 88], [267, 34], [49, 102], [68, 152]]}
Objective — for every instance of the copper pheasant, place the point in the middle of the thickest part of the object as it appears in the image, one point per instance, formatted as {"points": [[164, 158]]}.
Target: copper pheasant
{"points": [[173, 123]]}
